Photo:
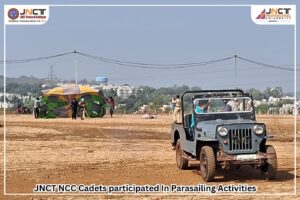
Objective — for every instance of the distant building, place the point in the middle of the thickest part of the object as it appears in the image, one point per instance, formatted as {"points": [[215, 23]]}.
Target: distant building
{"points": [[109, 87], [287, 98], [125, 91], [13, 99], [273, 100], [6, 105], [259, 102]]}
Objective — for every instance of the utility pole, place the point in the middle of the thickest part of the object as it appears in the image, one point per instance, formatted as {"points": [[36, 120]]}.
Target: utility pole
{"points": [[51, 77], [75, 66], [235, 66]]}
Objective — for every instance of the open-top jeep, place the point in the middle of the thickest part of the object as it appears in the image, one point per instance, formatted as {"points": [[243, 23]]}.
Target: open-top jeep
{"points": [[219, 128]]}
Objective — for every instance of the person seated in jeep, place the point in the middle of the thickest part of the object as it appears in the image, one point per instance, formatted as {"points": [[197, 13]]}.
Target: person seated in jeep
{"points": [[231, 106], [202, 107]]}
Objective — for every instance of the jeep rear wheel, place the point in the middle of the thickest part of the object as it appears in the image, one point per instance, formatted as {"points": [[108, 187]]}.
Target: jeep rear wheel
{"points": [[181, 162], [270, 168], [207, 163]]}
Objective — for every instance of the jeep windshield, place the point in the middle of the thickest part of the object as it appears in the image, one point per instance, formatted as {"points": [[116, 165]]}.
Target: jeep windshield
{"points": [[218, 104], [223, 108], [222, 105]]}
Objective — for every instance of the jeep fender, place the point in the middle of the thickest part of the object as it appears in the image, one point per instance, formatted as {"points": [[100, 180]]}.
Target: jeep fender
{"points": [[177, 132]]}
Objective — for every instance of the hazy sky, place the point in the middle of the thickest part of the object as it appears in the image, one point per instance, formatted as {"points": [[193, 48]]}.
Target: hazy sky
{"points": [[155, 35]]}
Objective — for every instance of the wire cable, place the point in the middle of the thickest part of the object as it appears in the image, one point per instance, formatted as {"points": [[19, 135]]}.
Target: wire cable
{"points": [[149, 65], [35, 59], [266, 65], [146, 64], [159, 66]]}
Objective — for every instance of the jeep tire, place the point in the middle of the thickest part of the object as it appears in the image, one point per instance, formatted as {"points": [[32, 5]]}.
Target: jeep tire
{"points": [[270, 168], [181, 162], [207, 163]]}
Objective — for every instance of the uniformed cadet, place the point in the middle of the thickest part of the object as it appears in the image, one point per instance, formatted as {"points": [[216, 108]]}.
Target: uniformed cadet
{"points": [[177, 110]]}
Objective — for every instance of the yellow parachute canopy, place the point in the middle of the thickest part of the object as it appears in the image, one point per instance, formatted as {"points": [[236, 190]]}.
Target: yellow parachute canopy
{"points": [[56, 102], [71, 90]]}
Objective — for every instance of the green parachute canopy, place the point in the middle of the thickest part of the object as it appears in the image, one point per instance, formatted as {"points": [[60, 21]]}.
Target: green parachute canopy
{"points": [[55, 102]]}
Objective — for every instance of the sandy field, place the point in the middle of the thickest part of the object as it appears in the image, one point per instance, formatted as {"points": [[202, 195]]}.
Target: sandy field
{"points": [[125, 149]]}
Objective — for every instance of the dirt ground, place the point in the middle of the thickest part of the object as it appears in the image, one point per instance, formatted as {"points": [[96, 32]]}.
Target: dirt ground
{"points": [[125, 149]]}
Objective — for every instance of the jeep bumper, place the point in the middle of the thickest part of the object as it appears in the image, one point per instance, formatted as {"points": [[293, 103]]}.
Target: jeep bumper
{"points": [[242, 159]]}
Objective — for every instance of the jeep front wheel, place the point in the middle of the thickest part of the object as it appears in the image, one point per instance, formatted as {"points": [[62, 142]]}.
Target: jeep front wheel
{"points": [[207, 163], [182, 163], [270, 168]]}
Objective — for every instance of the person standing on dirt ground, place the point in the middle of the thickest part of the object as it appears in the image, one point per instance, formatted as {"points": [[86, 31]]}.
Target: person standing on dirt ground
{"points": [[74, 105], [177, 110], [19, 107], [171, 106], [36, 108], [111, 101], [82, 104]]}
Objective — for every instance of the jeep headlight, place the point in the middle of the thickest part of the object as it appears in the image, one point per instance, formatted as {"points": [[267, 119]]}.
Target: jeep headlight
{"points": [[222, 131], [258, 129]]}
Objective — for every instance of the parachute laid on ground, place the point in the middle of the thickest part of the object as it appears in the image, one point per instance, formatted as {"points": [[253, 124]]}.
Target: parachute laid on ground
{"points": [[55, 102]]}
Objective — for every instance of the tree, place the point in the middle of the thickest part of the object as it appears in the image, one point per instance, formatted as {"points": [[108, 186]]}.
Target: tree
{"points": [[275, 92], [182, 89], [256, 94], [130, 107], [110, 93], [195, 88]]}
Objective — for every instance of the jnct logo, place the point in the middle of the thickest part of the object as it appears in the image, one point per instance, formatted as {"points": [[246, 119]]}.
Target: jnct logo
{"points": [[33, 12], [26, 14], [13, 13], [275, 13]]}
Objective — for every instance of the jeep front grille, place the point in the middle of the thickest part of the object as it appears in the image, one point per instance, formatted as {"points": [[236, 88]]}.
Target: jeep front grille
{"points": [[240, 139]]}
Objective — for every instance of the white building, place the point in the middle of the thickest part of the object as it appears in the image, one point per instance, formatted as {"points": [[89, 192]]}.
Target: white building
{"points": [[273, 100], [287, 98], [11, 99], [109, 87], [259, 102], [125, 91], [6, 105]]}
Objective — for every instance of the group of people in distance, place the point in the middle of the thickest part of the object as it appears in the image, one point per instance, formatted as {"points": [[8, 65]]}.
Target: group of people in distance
{"points": [[82, 108], [83, 104], [74, 105]]}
